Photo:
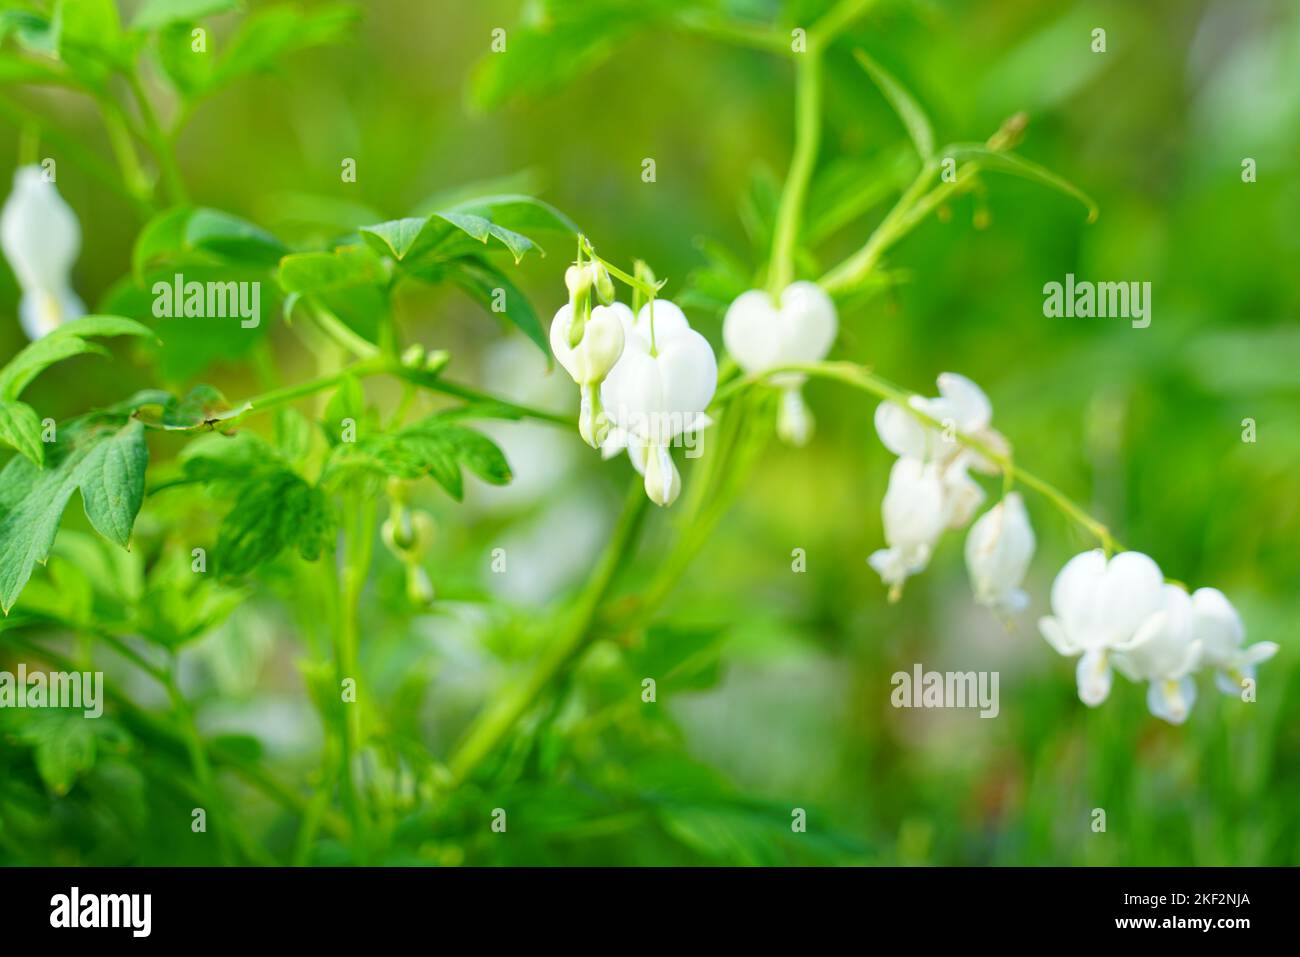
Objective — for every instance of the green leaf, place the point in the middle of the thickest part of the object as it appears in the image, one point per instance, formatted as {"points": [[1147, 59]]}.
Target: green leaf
{"points": [[410, 238], [153, 14], [482, 229], [63, 748], [34, 33], [232, 238], [996, 161], [274, 507], [189, 70], [203, 407], [106, 463], [518, 212], [482, 282], [183, 232], [280, 510], [396, 237], [20, 427], [908, 110], [66, 341], [267, 35], [435, 447]]}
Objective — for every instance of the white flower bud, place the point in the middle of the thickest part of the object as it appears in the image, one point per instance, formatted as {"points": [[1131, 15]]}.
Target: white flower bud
{"points": [[794, 423]]}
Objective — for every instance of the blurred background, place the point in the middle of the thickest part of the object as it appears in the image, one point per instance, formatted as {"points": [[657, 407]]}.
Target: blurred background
{"points": [[777, 693]]}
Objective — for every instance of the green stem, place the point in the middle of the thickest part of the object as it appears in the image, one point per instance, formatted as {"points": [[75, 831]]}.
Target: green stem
{"points": [[892, 228], [495, 722], [862, 378], [360, 519], [382, 365], [808, 97], [158, 140], [755, 36]]}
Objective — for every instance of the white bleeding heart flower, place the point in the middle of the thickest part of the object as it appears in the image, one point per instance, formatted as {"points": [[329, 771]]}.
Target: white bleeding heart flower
{"points": [[799, 328], [1097, 606], [41, 237], [1219, 630], [599, 345], [657, 393], [1164, 652], [961, 406], [914, 516], [998, 549]]}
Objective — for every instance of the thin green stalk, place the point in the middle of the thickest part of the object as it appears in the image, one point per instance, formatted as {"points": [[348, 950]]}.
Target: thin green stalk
{"points": [[893, 227], [158, 140], [360, 521], [862, 378], [495, 722], [808, 101], [755, 36]]}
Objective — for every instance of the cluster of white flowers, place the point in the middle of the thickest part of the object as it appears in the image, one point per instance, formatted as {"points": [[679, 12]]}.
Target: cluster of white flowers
{"points": [[41, 237], [930, 491], [1116, 615], [645, 380], [799, 328], [1121, 614]]}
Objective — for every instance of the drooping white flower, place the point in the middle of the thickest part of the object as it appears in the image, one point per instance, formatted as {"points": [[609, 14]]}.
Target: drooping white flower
{"points": [[914, 516], [41, 237], [587, 343], [961, 406], [1097, 606], [1164, 652], [998, 549], [761, 334], [657, 392], [1219, 629]]}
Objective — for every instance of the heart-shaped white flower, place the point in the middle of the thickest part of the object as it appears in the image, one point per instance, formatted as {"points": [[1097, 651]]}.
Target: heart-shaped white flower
{"points": [[961, 406], [761, 334], [1164, 652], [1097, 607], [658, 391], [1222, 636], [41, 237]]}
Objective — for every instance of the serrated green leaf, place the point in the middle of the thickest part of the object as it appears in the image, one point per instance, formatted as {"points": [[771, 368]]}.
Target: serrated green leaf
{"points": [[396, 237], [106, 463], [1000, 162], [434, 447], [20, 427], [904, 104], [66, 341], [518, 212], [280, 510]]}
